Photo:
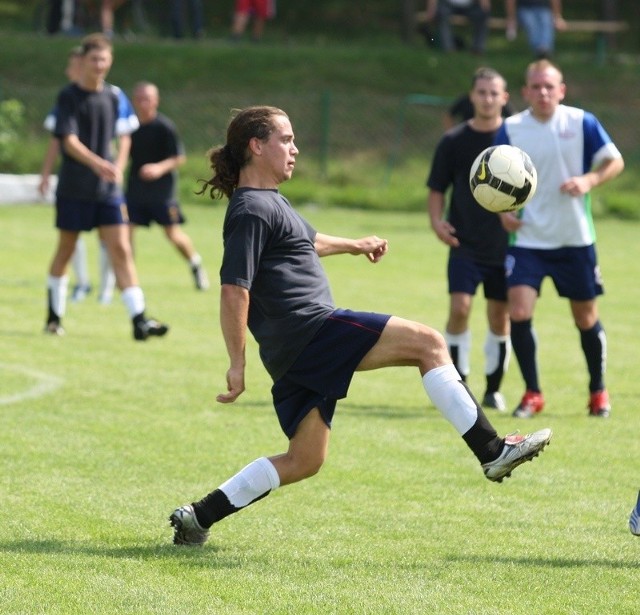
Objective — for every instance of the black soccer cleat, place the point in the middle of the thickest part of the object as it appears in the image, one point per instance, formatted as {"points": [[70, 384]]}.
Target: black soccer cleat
{"points": [[145, 327]]}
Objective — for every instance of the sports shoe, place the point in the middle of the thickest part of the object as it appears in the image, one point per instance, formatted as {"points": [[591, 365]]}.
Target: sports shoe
{"points": [[186, 529], [145, 327], [517, 449], [80, 292], [53, 327], [200, 277], [532, 403], [599, 404], [495, 401], [634, 519]]}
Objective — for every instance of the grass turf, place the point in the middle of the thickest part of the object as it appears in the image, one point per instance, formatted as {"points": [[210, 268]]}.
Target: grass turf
{"points": [[102, 437]]}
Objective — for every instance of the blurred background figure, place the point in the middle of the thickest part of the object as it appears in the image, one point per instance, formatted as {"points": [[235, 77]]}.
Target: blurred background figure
{"points": [[177, 18], [539, 19], [461, 110], [259, 10], [476, 11]]}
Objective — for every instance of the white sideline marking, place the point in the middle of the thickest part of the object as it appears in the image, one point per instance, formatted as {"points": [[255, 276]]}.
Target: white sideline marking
{"points": [[45, 383]]}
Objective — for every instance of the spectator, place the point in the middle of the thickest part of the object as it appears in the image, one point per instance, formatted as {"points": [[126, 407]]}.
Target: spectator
{"points": [[259, 10], [177, 18], [476, 11], [540, 19]]}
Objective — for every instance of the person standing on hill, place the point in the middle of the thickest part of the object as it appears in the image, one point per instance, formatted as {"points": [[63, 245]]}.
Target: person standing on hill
{"points": [[476, 11], [89, 193], [477, 242], [554, 235], [540, 20], [156, 154], [272, 283]]}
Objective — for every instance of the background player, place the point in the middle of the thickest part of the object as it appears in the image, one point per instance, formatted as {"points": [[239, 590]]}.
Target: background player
{"points": [[156, 154], [477, 242], [89, 192], [554, 234], [128, 122]]}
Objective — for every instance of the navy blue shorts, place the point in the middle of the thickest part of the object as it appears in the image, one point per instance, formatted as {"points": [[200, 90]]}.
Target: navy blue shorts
{"points": [[166, 214], [574, 271], [322, 373], [466, 274], [72, 215]]}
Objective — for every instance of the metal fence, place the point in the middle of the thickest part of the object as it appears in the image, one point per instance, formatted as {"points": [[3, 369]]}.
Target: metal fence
{"points": [[327, 124]]}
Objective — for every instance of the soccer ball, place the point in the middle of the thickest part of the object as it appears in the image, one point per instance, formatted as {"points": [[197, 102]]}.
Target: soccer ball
{"points": [[503, 178]]}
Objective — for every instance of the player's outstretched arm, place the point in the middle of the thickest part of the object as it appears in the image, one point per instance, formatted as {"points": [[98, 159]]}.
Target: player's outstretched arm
{"points": [[373, 247]]}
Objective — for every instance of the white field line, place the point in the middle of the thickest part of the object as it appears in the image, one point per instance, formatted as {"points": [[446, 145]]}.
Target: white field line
{"points": [[44, 384]]}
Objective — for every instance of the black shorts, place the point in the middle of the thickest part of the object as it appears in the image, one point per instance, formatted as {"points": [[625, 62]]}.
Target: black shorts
{"points": [[466, 274], [322, 373]]}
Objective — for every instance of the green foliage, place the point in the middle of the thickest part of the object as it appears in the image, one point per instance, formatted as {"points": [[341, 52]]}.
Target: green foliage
{"points": [[102, 437], [365, 139], [11, 129]]}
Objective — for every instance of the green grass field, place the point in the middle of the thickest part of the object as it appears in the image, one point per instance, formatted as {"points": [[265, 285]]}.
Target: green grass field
{"points": [[102, 437]]}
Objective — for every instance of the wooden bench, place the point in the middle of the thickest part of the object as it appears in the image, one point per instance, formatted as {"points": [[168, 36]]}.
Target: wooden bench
{"points": [[602, 29]]}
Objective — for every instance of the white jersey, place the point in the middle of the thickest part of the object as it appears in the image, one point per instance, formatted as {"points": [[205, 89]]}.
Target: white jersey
{"points": [[569, 144]]}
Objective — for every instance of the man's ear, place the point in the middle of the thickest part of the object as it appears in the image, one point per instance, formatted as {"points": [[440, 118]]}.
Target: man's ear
{"points": [[255, 146]]}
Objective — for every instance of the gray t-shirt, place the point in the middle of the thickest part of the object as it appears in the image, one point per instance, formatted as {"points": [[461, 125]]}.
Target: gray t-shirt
{"points": [[269, 250]]}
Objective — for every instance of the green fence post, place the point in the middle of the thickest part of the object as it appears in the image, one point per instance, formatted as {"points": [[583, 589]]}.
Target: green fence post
{"points": [[325, 120]]}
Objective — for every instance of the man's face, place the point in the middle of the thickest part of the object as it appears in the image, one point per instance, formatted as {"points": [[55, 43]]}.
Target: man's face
{"points": [[96, 65], [544, 91], [488, 97], [145, 102], [74, 69], [278, 154]]}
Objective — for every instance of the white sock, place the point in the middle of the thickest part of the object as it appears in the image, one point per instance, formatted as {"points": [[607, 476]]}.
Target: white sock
{"points": [[195, 260], [57, 288], [253, 481], [443, 385], [461, 341], [133, 298], [492, 352], [79, 263], [107, 276]]}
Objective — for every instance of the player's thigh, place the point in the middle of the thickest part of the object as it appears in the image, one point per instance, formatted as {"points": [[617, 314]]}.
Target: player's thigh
{"points": [[406, 343]]}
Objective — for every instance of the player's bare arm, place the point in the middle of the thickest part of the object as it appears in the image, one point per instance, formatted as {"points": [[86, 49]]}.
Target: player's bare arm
{"points": [[155, 170], [122, 157], [373, 247], [577, 186], [102, 168], [441, 227], [510, 222], [234, 311]]}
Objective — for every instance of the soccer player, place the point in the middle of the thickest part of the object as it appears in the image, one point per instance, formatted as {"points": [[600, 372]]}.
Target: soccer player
{"points": [[156, 154], [127, 122], [477, 242], [634, 519], [274, 285], [89, 192], [554, 234]]}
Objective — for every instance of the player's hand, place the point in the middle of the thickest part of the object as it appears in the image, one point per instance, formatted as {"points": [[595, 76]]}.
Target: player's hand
{"points": [[510, 222], [445, 233], [235, 386], [107, 171], [576, 186], [150, 171], [43, 186], [373, 247]]}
